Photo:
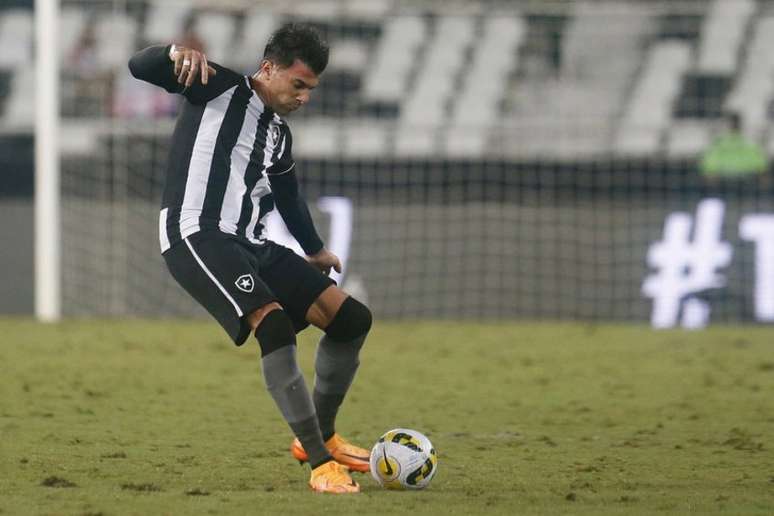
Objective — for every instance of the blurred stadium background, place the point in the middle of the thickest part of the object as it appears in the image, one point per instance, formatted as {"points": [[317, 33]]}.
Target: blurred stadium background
{"points": [[469, 159]]}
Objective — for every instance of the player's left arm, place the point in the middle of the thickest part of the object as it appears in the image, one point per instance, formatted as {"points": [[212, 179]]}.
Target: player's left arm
{"points": [[294, 210], [183, 70]]}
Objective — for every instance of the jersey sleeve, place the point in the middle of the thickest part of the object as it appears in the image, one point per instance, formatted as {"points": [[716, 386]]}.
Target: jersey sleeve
{"points": [[288, 199], [153, 65]]}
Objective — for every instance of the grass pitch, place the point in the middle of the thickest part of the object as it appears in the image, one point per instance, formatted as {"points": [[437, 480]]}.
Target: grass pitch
{"points": [[147, 418]]}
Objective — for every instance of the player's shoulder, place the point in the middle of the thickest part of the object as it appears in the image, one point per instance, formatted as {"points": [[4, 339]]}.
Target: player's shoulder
{"points": [[223, 80], [225, 73]]}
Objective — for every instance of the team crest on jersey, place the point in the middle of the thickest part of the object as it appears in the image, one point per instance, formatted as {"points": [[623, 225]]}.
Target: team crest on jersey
{"points": [[245, 283], [275, 134]]}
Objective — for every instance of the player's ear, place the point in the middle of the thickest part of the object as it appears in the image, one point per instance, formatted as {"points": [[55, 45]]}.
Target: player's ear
{"points": [[266, 68]]}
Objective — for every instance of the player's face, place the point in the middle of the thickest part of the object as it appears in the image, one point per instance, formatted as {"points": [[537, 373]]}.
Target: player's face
{"points": [[290, 87]]}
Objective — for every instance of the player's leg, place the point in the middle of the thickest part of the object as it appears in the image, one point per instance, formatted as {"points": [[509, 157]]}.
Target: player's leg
{"points": [[223, 278], [284, 380], [309, 296], [346, 322]]}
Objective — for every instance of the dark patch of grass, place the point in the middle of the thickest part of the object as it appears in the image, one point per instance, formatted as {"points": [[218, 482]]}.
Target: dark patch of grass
{"points": [[141, 488], [54, 481], [115, 455], [197, 492], [739, 439]]}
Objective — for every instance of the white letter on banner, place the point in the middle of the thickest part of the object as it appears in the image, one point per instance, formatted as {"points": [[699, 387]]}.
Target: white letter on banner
{"points": [[686, 267], [760, 229]]}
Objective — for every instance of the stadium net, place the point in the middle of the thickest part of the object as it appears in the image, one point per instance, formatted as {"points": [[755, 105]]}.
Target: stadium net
{"points": [[531, 160]]}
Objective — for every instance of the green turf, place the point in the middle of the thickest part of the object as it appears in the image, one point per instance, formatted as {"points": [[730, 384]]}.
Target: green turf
{"points": [[149, 418]]}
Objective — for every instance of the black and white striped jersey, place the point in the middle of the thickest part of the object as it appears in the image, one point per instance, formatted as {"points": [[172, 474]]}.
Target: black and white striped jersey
{"points": [[225, 145]]}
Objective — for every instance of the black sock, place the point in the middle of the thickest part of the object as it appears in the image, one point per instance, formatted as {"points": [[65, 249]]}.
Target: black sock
{"points": [[308, 433], [327, 406]]}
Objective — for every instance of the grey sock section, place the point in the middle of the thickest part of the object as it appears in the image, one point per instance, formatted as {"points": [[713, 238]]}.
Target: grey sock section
{"points": [[335, 368], [287, 386], [336, 364]]}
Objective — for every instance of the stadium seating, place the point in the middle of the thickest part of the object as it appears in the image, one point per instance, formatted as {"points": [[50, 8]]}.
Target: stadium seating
{"points": [[71, 25], [649, 110], [754, 86], [478, 104], [723, 34], [432, 79], [387, 79], [20, 108], [164, 21], [423, 108], [15, 38], [502, 157], [115, 35], [688, 138], [258, 24]]}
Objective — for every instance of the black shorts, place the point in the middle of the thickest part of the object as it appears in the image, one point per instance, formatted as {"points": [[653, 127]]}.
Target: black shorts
{"points": [[231, 278]]}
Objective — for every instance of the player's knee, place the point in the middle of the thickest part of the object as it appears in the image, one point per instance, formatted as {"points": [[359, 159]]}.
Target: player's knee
{"points": [[275, 331], [353, 320]]}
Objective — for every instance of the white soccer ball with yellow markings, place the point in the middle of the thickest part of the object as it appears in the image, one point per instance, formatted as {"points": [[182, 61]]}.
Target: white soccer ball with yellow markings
{"points": [[403, 459]]}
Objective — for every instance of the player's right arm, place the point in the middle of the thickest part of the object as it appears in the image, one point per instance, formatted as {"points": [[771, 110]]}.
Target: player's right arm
{"points": [[181, 70], [293, 208]]}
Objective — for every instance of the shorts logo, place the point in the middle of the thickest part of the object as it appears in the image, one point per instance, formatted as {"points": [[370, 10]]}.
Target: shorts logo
{"points": [[245, 283]]}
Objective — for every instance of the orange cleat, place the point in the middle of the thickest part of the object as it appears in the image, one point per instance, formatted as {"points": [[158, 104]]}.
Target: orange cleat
{"points": [[349, 455], [332, 477]]}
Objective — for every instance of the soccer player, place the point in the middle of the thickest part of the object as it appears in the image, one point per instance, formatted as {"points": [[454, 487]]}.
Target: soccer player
{"points": [[230, 164]]}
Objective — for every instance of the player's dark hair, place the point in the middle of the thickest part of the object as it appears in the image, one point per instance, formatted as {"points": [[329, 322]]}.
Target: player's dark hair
{"points": [[297, 41]]}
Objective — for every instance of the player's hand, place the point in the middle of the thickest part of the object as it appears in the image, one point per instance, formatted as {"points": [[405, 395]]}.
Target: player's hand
{"points": [[190, 64], [325, 260]]}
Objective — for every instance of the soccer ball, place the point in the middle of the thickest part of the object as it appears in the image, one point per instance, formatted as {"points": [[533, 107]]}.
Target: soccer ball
{"points": [[403, 459]]}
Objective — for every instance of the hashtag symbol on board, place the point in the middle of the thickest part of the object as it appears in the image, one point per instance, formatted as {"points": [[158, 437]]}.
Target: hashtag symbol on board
{"points": [[686, 263]]}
